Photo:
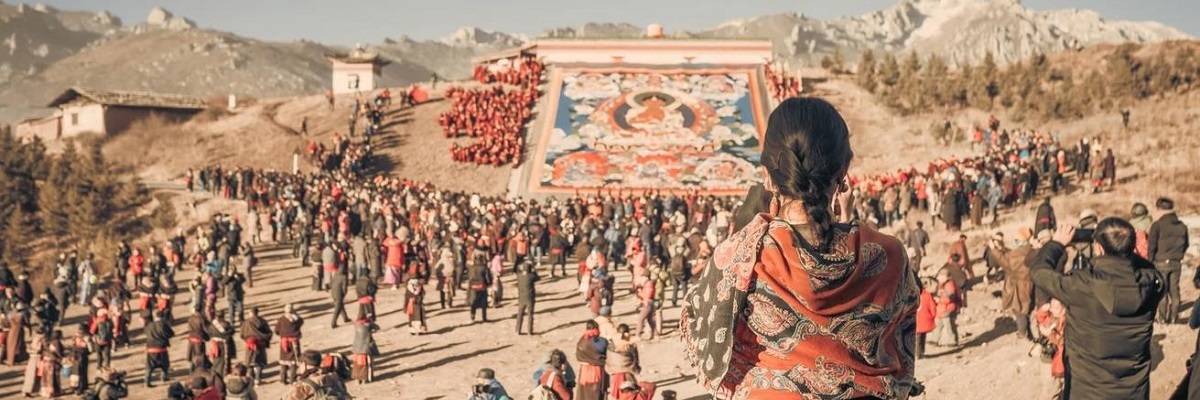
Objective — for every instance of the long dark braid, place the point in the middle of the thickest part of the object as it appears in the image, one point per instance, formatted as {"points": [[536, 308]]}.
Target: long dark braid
{"points": [[805, 151]]}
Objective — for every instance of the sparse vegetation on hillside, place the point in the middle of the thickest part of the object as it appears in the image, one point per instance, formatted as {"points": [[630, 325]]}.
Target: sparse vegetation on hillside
{"points": [[1039, 88]]}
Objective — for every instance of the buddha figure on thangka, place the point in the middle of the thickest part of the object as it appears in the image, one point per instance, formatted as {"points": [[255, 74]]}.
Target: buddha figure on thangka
{"points": [[641, 129]]}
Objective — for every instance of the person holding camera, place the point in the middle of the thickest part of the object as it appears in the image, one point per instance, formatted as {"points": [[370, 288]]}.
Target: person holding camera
{"points": [[315, 382], [111, 385], [1112, 304], [486, 387]]}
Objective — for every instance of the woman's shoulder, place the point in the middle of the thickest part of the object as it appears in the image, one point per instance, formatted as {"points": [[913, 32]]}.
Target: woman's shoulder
{"points": [[867, 234]]}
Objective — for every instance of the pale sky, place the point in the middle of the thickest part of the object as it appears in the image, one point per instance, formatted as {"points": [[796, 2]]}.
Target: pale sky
{"points": [[347, 22]]}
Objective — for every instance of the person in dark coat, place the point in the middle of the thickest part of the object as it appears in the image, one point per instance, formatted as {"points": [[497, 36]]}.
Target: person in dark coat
{"points": [[158, 339], [337, 293], [479, 279], [526, 295], [197, 337], [951, 211], [1111, 318], [257, 335], [366, 289], [220, 343], [1168, 241], [917, 240], [558, 251], [288, 327], [1045, 217]]}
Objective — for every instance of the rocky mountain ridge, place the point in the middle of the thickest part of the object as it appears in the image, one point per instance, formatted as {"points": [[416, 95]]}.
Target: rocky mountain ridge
{"points": [[49, 50]]}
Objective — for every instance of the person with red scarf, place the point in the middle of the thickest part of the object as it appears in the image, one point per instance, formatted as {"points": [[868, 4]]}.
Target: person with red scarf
{"points": [[197, 337], [256, 334], [414, 306], [288, 327], [792, 271], [362, 362], [591, 352]]}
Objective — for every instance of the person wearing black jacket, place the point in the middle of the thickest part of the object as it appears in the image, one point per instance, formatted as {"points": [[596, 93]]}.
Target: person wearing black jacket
{"points": [[526, 294], [1045, 217], [479, 279], [158, 339], [1110, 320], [337, 293], [1168, 241]]}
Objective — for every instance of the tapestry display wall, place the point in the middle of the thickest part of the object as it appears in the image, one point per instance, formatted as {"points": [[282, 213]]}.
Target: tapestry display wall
{"points": [[638, 129]]}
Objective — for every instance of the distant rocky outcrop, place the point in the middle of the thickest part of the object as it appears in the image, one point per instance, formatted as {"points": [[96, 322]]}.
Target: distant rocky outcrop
{"points": [[161, 18], [469, 36]]}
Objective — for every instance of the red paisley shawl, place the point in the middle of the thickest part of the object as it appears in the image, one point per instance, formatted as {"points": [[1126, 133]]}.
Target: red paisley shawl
{"points": [[773, 318]]}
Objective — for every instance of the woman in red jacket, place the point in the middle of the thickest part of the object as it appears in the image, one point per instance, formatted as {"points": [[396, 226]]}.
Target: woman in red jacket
{"points": [[926, 315]]}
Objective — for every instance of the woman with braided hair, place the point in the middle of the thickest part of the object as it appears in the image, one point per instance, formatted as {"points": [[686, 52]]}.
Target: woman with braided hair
{"points": [[794, 305]]}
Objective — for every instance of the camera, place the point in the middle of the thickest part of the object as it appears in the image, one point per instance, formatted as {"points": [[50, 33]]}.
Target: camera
{"points": [[479, 389], [1083, 235]]}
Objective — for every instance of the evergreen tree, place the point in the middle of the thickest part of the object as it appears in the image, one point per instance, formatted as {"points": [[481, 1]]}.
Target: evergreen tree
{"points": [[910, 84], [53, 195], [889, 70], [934, 82], [19, 233], [865, 72]]}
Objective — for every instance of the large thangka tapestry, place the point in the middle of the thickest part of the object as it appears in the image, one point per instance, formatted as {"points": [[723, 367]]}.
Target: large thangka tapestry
{"points": [[650, 129]]}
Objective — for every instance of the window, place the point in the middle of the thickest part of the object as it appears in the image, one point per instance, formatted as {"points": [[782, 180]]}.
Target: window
{"points": [[353, 81], [74, 119]]}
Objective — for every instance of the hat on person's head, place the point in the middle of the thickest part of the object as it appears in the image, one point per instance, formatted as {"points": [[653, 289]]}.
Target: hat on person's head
{"points": [[1088, 218], [1164, 204], [199, 383], [1139, 210], [311, 357], [486, 373]]}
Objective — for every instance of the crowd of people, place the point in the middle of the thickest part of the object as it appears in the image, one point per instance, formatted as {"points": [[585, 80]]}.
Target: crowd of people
{"points": [[525, 72], [495, 115], [350, 230], [1056, 287], [781, 84], [1012, 171]]}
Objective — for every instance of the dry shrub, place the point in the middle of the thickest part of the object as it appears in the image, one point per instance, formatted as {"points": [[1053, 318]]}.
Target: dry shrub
{"points": [[211, 114], [135, 147]]}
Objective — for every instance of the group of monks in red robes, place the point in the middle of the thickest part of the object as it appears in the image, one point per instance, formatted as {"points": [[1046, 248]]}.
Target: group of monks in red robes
{"points": [[495, 115], [526, 73], [781, 84]]}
